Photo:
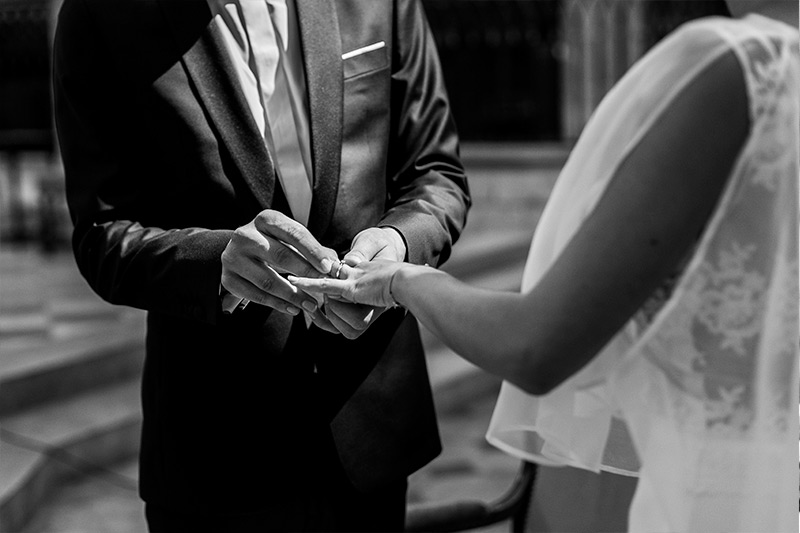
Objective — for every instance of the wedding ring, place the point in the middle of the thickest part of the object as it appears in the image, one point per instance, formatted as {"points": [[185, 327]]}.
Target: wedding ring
{"points": [[338, 270]]}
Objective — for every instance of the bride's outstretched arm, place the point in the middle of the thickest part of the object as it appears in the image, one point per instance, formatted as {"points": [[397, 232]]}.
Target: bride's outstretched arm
{"points": [[647, 220]]}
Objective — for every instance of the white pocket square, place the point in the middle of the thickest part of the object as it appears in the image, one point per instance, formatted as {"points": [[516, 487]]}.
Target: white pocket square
{"points": [[363, 50]]}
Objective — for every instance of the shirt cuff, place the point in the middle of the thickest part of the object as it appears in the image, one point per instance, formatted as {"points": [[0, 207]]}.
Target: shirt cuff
{"points": [[231, 303]]}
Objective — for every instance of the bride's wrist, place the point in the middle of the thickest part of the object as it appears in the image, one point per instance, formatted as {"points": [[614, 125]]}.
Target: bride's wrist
{"points": [[391, 298], [400, 282]]}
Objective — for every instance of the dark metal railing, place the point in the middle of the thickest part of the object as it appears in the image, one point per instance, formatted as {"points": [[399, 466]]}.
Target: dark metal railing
{"points": [[464, 515]]}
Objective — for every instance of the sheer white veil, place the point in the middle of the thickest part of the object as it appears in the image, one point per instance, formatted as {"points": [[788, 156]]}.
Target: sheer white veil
{"points": [[699, 400]]}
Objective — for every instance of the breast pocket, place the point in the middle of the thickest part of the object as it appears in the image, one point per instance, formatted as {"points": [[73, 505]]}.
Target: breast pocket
{"points": [[369, 58]]}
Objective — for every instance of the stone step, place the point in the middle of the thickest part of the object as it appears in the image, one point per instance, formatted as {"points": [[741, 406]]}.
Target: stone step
{"points": [[104, 502], [44, 446], [57, 365], [498, 156]]}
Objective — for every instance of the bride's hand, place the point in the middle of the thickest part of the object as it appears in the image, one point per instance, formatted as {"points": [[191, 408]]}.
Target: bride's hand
{"points": [[367, 283]]}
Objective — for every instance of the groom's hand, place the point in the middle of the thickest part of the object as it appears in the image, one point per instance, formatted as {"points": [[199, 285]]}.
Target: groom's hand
{"points": [[268, 246], [376, 243], [373, 243]]}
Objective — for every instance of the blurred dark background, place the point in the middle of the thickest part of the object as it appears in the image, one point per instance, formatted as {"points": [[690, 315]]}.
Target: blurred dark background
{"points": [[517, 71]]}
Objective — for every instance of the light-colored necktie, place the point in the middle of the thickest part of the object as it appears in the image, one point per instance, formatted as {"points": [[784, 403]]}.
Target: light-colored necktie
{"points": [[262, 18]]}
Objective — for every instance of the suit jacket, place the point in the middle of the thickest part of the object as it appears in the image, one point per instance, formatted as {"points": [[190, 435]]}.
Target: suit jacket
{"points": [[163, 161]]}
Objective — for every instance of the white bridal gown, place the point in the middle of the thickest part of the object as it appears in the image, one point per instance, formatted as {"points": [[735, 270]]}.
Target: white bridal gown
{"points": [[698, 393]]}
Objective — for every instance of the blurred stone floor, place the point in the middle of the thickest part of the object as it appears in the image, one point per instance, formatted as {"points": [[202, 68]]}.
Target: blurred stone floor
{"points": [[467, 468]]}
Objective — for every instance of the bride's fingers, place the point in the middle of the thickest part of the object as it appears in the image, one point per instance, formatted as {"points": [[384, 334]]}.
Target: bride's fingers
{"points": [[329, 286]]}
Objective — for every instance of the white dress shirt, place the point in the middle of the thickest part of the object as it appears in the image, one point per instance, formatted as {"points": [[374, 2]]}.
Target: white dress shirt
{"points": [[269, 69]]}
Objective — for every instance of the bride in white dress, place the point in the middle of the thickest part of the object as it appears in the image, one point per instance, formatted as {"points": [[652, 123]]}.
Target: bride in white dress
{"points": [[656, 333]]}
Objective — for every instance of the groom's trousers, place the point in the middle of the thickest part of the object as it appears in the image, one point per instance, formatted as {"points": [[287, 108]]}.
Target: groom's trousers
{"points": [[324, 500], [344, 509]]}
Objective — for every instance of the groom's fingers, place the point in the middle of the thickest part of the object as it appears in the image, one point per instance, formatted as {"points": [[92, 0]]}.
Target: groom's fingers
{"points": [[321, 321], [253, 259], [277, 225], [264, 286], [366, 246], [249, 242], [329, 286], [287, 260], [376, 243], [345, 320]]}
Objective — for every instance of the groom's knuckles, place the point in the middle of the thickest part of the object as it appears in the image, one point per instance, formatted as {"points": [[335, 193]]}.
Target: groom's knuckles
{"points": [[267, 219], [233, 284], [318, 254], [370, 243], [278, 225], [243, 245], [302, 247], [273, 284], [266, 284], [355, 257], [293, 233], [303, 268], [312, 251], [244, 236], [244, 288], [282, 256], [228, 260]]}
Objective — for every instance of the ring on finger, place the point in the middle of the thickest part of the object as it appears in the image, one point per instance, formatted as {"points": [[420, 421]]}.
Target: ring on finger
{"points": [[338, 270]]}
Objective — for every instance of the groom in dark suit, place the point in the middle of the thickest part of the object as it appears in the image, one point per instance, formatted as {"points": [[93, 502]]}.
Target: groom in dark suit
{"points": [[210, 148]]}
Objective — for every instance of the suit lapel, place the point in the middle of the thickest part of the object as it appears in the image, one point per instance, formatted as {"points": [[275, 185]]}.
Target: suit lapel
{"points": [[210, 69], [322, 55]]}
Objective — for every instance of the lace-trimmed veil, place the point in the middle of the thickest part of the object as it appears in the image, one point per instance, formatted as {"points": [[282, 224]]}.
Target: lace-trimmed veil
{"points": [[704, 393]]}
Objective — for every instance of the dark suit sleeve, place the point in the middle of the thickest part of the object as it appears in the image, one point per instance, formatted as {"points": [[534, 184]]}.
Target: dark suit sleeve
{"points": [[428, 195], [174, 271]]}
